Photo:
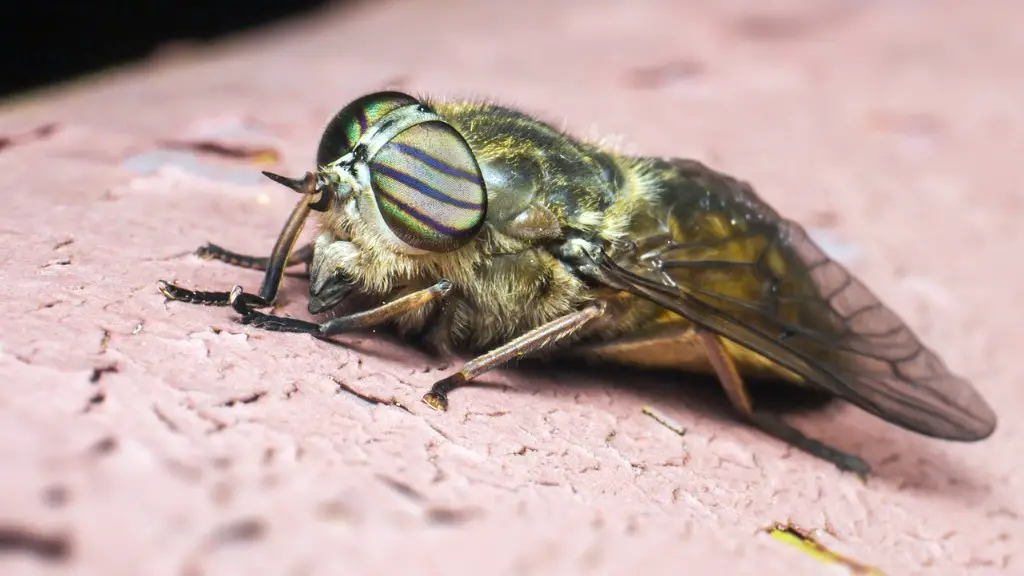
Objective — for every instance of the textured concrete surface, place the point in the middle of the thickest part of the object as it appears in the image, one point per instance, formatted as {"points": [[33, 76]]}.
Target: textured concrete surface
{"points": [[140, 437]]}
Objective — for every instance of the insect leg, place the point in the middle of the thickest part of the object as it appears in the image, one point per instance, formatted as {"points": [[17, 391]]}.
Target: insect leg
{"points": [[734, 387], [532, 341], [275, 266], [303, 255], [372, 317]]}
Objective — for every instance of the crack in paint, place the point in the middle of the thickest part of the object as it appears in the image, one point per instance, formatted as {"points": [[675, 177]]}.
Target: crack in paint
{"points": [[34, 543], [34, 135], [247, 399]]}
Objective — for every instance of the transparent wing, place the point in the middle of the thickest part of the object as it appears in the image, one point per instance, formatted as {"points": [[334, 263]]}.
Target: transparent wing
{"points": [[723, 259]]}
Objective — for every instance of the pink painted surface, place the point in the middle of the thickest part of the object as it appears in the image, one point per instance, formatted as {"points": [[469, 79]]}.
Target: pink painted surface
{"points": [[895, 128]]}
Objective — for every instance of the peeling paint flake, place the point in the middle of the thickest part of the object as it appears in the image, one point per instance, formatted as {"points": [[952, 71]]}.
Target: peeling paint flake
{"points": [[152, 161]]}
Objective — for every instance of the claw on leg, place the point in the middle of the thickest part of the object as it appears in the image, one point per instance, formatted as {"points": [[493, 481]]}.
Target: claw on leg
{"points": [[177, 293], [437, 398]]}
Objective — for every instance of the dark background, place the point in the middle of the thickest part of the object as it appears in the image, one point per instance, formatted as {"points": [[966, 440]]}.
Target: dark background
{"points": [[50, 41]]}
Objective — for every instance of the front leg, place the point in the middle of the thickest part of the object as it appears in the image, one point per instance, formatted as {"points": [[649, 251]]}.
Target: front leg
{"points": [[365, 319], [275, 265], [303, 255]]}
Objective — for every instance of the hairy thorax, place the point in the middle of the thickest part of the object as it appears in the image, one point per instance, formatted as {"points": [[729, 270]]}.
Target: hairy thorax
{"points": [[496, 294]]}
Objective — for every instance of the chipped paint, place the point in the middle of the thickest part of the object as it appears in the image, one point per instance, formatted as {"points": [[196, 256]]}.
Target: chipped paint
{"points": [[154, 160]]}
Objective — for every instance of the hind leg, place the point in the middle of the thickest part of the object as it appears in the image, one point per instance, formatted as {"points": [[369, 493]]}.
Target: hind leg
{"points": [[736, 390]]}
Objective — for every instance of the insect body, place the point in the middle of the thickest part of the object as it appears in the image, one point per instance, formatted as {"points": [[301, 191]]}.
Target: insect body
{"points": [[476, 227]]}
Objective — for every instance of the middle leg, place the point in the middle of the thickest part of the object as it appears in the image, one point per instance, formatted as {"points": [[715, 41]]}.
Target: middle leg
{"points": [[365, 319], [534, 340]]}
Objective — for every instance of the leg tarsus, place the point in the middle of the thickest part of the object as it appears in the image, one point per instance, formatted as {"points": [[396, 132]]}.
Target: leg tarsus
{"points": [[173, 292], [214, 252], [241, 305], [774, 426]]}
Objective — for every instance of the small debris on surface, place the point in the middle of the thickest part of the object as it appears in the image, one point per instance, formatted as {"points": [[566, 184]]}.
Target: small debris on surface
{"points": [[805, 541], [342, 386], [493, 414], [104, 341], [664, 421]]}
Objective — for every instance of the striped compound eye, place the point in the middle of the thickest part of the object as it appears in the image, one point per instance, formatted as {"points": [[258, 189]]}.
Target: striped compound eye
{"points": [[424, 180], [349, 125], [428, 187]]}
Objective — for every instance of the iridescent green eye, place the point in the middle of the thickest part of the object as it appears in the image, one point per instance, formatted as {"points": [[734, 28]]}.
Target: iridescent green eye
{"points": [[428, 187], [352, 121]]}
